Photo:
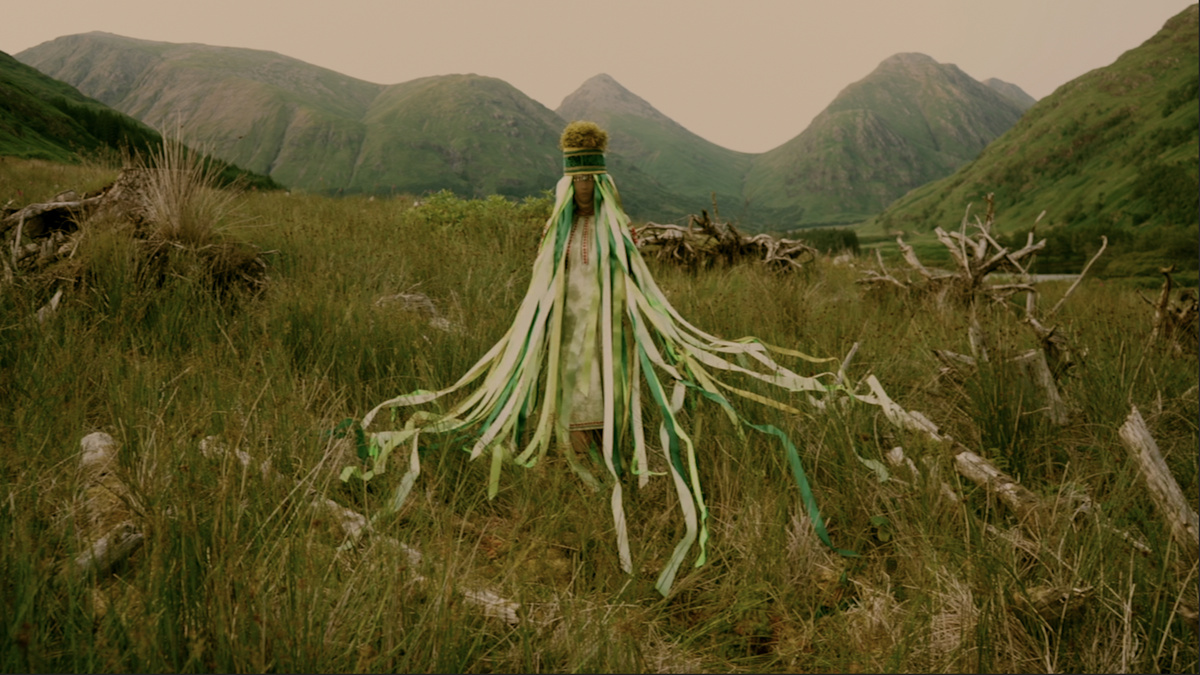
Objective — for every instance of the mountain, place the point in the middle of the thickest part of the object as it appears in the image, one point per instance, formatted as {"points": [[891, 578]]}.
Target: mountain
{"points": [[684, 168], [313, 128], [43, 118], [910, 121], [471, 134], [1012, 92], [1111, 152]]}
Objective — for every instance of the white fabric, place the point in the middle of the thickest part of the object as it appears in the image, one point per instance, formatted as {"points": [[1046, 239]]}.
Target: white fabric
{"points": [[581, 347]]}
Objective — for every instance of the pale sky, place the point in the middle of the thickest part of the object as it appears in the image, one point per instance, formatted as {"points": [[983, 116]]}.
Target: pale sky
{"points": [[748, 75]]}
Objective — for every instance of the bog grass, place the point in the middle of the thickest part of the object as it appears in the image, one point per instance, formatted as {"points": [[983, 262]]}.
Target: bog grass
{"points": [[239, 573]]}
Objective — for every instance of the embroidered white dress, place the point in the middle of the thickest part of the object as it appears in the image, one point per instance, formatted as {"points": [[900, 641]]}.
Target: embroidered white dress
{"points": [[581, 339]]}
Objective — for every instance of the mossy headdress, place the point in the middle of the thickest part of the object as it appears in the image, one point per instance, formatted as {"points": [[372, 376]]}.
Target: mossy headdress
{"points": [[583, 145]]}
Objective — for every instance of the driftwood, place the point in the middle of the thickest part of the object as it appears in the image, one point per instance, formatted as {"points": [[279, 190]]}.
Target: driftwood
{"points": [[1023, 503], [975, 256], [1033, 362], [1029, 509], [355, 525], [109, 534], [1176, 320], [1055, 602], [1045, 366], [706, 240], [1164, 490], [105, 552], [39, 234], [127, 194]]}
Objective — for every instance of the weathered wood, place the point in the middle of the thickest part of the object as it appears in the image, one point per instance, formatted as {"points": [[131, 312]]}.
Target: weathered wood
{"points": [[976, 338], [706, 240], [1160, 307], [957, 252], [954, 359], [910, 257], [1033, 362], [108, 531], [47, 311], [1023, 503], [105, 552], [841, 374], [975, 256], [897, 415], [1176, 323], [1055, 602], [1164, 490]]}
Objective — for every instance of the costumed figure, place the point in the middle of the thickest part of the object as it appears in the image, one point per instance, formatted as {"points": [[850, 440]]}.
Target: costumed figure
{"points": [[593, 330]]}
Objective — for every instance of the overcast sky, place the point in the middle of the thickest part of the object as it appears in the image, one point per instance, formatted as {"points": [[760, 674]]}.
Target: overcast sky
{"points": [[748, 75]]}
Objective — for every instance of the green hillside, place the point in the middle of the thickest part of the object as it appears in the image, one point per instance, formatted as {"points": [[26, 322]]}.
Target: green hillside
{"points": [[684, 169], [267, 112], [470, 134], [46, 119], [910, 121], [1112, 152], [314, 129]]}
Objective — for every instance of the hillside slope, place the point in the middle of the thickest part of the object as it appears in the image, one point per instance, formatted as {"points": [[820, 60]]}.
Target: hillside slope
{"points": [[1012, 92], [910, 121], [43, 118], [470, 134], [312, 128], [1111, 150]]}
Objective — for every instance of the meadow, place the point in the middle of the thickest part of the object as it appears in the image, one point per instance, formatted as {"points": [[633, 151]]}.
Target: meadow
{"points": [[239, 572]]}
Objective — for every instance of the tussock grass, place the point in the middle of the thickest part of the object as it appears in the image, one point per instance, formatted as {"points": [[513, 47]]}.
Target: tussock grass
{"points": [[240, 573], [184, 199]]}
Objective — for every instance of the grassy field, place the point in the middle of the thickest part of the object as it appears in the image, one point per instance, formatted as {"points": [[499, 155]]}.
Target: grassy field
{"points": [[240, 573]]}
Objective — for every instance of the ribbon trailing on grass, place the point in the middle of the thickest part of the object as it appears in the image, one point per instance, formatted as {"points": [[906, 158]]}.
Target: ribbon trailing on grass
{"points": [[640, 336]]}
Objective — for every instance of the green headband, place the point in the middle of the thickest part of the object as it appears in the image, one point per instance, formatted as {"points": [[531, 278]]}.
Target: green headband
{"points": [[581, 161]]}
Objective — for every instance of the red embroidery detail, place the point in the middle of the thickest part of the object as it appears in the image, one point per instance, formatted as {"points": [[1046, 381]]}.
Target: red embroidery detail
{"points": [[587, 232]]}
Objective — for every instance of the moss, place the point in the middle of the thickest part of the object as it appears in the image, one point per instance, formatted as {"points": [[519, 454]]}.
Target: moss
{"points": [[584, 135]]}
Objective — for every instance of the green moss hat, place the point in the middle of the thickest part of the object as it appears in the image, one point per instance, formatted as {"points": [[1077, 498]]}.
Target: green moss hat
{"points": [[583, 145]]}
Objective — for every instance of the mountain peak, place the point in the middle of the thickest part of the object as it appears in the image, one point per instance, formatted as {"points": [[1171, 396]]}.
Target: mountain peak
{"points": [[909, 59], [601, 97]]}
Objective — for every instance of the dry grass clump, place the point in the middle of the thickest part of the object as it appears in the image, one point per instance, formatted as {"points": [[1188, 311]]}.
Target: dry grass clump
{"points": [[184, 201], [166, 219]]}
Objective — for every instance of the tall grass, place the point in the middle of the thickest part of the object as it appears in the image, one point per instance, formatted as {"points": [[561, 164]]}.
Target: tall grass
{"points": [[239, 573], [185, 199]]}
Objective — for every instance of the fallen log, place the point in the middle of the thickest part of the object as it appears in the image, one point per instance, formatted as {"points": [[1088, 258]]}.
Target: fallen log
{"points": [[1023, 503], [1164, 489], [108, 529]]}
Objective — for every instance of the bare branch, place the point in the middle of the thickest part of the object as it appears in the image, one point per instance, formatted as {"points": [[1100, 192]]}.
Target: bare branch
{"points": [[1054, 309]]}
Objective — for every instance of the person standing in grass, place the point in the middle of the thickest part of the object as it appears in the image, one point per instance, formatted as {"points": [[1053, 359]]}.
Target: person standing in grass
{"points": [[591, 331]]}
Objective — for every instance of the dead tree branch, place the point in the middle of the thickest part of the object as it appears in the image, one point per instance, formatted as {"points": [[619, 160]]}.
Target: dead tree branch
{"points": [[1164, 490], [707, 240]]}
